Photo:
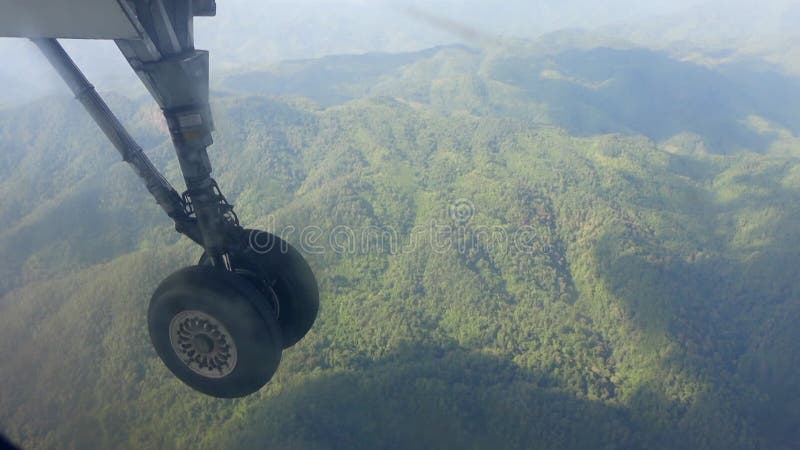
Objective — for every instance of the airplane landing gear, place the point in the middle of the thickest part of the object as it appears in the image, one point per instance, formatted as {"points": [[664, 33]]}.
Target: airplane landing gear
{"points": [[283, 277], [205, 327], [222, 332], [220, 326]]}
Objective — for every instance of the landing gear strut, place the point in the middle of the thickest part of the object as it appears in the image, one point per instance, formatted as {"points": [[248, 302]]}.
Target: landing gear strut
{"points": [[219, 326]]}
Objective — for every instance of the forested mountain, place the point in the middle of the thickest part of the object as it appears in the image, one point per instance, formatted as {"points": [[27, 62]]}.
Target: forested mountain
{"points": [[520, 249], [561, 79], [249, 34]]}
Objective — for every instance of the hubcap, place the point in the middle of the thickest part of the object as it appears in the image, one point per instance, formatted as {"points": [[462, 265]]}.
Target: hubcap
{"points": [[203, 344]]}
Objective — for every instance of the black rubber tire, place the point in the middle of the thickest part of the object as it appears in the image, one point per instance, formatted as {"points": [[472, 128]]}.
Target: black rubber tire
{"points": [[229, 299], [271, 259]]}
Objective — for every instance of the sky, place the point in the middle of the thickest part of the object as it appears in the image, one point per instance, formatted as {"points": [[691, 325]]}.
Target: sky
{"points": [[257, 33]]}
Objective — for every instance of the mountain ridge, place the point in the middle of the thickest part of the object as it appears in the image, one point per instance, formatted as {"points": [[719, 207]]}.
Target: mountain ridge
{"points": [[638, 293]]}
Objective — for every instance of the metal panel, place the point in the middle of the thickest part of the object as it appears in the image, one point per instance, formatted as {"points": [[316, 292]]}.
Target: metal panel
{"points": [[204, 8], [79, 19]]}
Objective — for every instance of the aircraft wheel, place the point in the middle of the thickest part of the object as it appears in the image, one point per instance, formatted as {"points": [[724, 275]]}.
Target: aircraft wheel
{"points": [[205, 326], [283, 277]]}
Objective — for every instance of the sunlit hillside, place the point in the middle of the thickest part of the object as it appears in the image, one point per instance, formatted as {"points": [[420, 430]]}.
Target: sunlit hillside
{"points": [[582, 248]]}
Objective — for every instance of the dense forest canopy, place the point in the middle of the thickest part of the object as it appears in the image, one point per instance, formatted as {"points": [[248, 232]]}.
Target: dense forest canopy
{"points": [[547, 244]]}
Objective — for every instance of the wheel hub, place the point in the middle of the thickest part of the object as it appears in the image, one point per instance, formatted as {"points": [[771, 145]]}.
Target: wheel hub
{"points": [[203, 344]]}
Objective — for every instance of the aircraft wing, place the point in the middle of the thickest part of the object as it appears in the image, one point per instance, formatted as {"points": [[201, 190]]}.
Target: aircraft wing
{"points": [[80, 19]]}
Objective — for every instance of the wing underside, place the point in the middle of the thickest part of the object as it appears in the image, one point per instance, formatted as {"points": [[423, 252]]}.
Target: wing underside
{"points": [[78, 19]]}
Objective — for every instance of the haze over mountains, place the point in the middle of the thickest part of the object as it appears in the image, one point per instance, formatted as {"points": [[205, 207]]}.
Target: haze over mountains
{"points": [[638, 289], [249, 34]]}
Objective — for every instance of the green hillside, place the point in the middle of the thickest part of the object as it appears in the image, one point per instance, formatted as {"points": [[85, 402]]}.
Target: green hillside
{"points": [[492, 275], [563, 79]]}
